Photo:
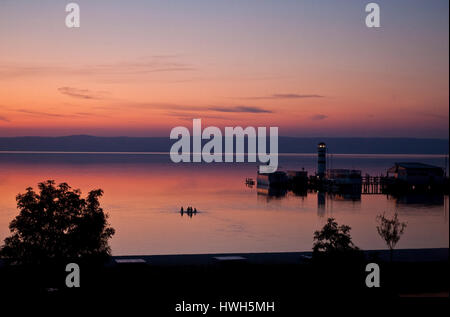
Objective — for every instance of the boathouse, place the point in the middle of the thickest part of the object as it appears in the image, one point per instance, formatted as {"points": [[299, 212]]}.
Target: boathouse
{"points": [[414, 173]]}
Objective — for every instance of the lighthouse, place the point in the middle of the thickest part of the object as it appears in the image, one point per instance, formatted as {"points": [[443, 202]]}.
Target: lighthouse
{"points": [[321, 160]]}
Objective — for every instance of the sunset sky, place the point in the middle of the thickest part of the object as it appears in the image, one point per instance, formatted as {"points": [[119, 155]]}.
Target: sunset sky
{"points": [[140, 68]]}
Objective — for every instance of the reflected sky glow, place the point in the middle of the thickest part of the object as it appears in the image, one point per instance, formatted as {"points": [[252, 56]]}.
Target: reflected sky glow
{"points": [[143, 197]]}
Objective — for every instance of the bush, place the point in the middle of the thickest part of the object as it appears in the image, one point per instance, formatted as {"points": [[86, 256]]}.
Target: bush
{"points": [[334, 242]]}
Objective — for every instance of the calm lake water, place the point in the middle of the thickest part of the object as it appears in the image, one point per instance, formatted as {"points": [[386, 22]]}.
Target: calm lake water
{"points": [[144, 193]]}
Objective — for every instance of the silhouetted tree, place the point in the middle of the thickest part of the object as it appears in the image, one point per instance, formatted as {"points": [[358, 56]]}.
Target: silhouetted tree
{"points": [[338, 263], [390, 231], [56, 224], [333, 240]]}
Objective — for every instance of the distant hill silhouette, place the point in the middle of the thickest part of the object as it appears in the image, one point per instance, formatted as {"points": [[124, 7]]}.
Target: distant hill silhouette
{"points": [[86, 143]]}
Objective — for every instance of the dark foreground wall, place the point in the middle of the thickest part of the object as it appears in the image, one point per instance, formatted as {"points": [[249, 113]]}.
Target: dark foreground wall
{"points": [[290, 282]]}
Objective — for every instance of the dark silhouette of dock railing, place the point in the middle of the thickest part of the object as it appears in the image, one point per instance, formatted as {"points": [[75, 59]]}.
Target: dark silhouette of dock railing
{"points": [[374, 184]]}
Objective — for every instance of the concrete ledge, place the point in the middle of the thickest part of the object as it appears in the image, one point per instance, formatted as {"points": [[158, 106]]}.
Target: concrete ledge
{"points": [[401, 255], [130, 261], [230, 258]]}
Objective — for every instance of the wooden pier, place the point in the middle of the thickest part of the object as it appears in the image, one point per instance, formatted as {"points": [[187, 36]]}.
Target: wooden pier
{"points": [[374, 185], [362, 184]]}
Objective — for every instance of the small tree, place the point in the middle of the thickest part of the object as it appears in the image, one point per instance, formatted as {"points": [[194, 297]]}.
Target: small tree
{"points": [[390, 231], [333, 240], [57, 224]]}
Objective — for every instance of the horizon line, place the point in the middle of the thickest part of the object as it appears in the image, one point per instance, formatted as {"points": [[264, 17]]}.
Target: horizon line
{"points": [[281, 136], [308, 154]]}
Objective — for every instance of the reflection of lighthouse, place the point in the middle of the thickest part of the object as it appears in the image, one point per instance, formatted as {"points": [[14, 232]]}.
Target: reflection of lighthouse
{"points": [[321, 160], [321, 203]]}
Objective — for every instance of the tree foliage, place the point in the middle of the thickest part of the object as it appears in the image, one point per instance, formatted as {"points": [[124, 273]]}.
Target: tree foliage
{"points": [[390, 230], [333, 239], [57, 223]]}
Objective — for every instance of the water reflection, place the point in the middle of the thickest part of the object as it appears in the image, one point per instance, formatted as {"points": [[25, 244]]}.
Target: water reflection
{"points": [[354, 196], [321, 200], [271, 192], [420, 199], [143, 195], [418, 204]]}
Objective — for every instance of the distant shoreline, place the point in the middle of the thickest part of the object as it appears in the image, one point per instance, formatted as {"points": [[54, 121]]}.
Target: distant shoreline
{"points": [[353, 155], [287, 145]]}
